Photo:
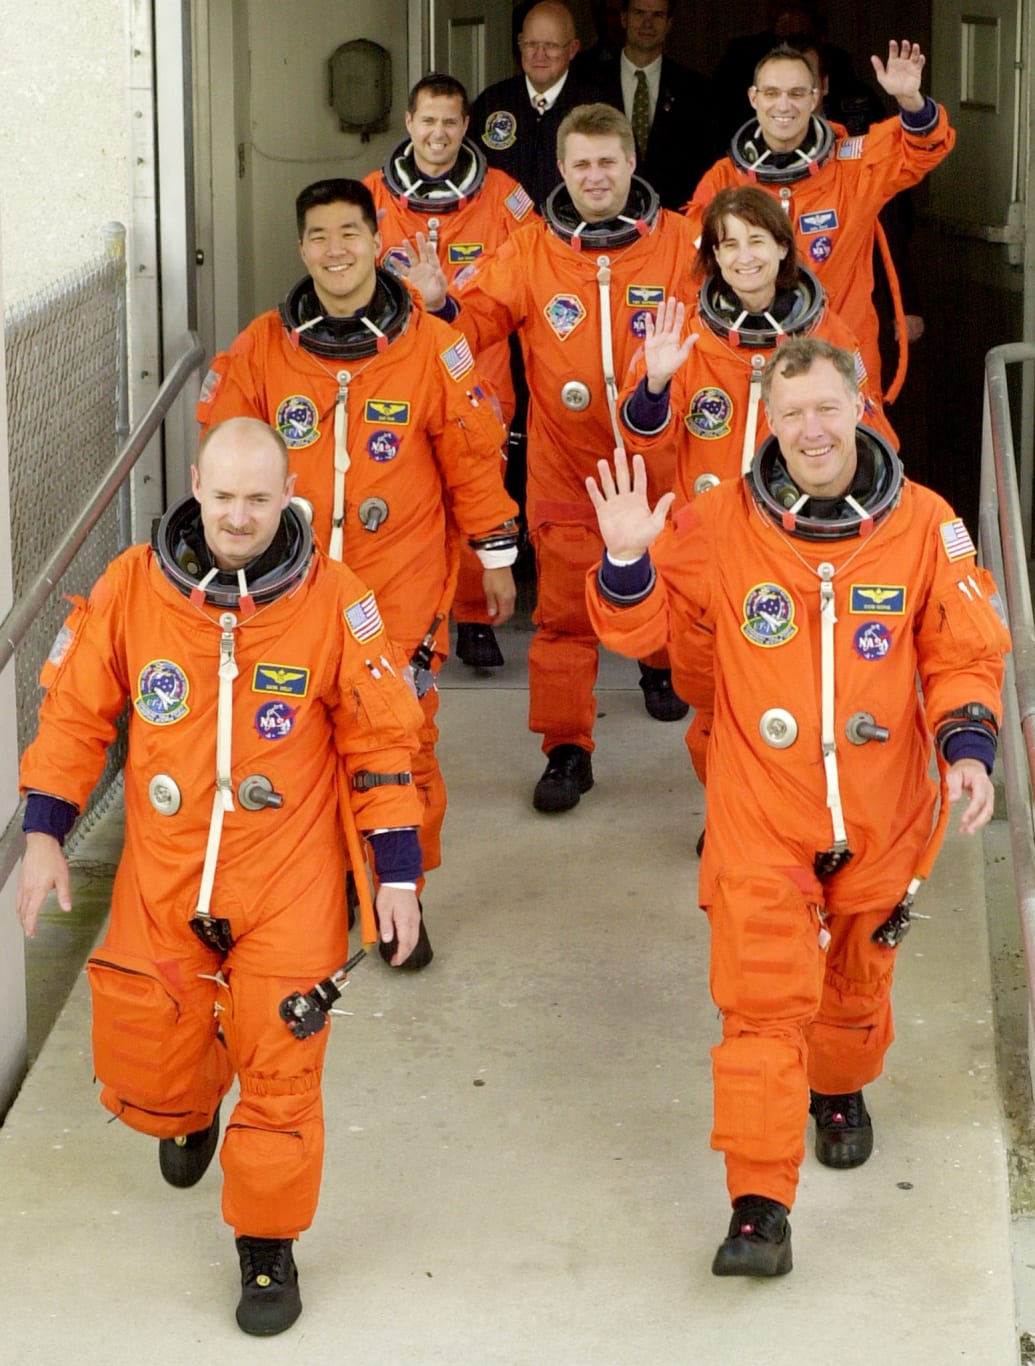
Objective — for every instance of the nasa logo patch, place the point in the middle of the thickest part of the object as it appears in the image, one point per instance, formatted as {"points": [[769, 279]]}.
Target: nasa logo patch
{"points": [[500, 130], [711, 411], [383, 446], [872, 640], [162, 690], [564, 312], [820, 249], [769, 615], [297, 421], [638, 322], [274, 720]]}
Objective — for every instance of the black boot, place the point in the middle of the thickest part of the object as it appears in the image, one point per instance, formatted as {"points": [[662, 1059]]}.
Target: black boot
{"points": [[759, 1240], [661, 701], [569, 773], [270, 1300], [844, 1130], [420, 955], [184, 1160], [477, 646]]}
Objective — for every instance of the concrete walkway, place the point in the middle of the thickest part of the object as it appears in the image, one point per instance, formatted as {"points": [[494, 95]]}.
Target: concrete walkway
{"points": [[518, 1169]]}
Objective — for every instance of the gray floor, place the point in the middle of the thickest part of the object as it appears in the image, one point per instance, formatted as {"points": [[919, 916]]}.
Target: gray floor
{"points": [[518, 1167]]}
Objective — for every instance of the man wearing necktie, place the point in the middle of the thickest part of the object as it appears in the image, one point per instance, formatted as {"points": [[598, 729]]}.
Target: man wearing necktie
{"points": [[668, 105]]}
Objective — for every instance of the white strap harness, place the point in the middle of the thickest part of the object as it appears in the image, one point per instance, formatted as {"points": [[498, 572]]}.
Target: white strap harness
{"points": [[342, 459], [828, 620], [223, 797], [747, 453], [607, 354]]}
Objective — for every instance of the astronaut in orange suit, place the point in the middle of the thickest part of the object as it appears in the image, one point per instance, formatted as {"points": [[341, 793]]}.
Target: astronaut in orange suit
{"points": [[268, 711], [391, 438], [698, 397], [577, 289], [823, 584], [833, 186], [438, 182]]}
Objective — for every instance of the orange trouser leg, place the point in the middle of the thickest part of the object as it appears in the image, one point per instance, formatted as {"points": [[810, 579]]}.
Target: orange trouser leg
{"points": [[766, 979], [853, 1029], [162, 1069], [272, 1153], [697, 735], [469, 599], [563, 658], [430, 784]]}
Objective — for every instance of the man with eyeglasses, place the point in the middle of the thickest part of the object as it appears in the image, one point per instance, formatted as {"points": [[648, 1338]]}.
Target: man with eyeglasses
{"points": [[515, 121], [833, 186]]}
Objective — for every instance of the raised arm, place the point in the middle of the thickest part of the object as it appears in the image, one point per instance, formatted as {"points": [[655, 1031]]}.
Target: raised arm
{"points": [[900, 77], [627, 524]]}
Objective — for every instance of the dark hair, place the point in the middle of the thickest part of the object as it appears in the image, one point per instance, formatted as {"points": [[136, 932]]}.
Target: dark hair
{"points": [[336, 191], [754, 206], [438, 83], [797, 355], [783, 53], [670, 10]]}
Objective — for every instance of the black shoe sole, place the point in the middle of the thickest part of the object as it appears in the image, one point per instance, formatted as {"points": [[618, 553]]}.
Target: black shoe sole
{"points": [[848, 1149], [483, 653], [549, 798], [264, 1320], [420, 956], [184, 1167], [742, 1256], [665, 706]]}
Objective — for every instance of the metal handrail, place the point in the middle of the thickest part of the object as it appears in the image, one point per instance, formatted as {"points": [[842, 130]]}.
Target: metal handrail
{"points": [[1004, 551], [20, 618]]}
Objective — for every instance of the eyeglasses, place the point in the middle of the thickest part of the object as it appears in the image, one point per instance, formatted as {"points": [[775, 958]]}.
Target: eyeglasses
{"points": [[796, 92], [548, 49]]}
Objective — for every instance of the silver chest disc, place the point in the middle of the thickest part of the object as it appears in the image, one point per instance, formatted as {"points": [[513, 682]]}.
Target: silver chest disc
{"points": [[778, 728], [575, 395], [164, 794]]}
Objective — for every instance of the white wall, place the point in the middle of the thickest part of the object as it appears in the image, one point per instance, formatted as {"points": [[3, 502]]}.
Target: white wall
{"points": [[293, 137], [63, 146], [12, 951]]}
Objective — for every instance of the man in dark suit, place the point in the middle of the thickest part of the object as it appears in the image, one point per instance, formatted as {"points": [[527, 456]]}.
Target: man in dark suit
{"points": [[669, 106], [515, 121]]}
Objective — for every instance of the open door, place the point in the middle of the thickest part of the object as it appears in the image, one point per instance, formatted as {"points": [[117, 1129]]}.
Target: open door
{"points": [[471, 40]]}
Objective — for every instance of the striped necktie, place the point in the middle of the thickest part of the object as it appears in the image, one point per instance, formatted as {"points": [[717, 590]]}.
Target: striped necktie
{"points": [[641, 115]]}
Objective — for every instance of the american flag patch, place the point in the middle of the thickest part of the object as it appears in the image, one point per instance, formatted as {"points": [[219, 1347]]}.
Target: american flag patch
{"points": [[850, 149], [363, 619], [458, 359], [860, 369], [956, 539], [518, 202]]}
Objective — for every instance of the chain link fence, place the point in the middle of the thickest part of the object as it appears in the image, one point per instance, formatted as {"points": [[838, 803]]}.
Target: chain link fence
{"points": [[63, 352]]}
